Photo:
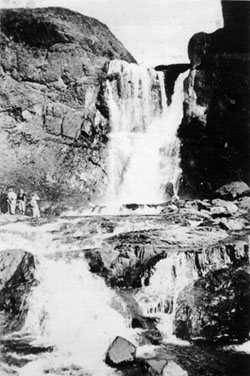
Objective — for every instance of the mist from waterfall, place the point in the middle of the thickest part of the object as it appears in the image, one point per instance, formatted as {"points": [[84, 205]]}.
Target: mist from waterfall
{"points": [[143, 146], [71, 310]]}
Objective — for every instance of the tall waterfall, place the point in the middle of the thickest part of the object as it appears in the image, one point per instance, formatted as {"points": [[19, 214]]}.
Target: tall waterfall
{"points": [[143, 147]]}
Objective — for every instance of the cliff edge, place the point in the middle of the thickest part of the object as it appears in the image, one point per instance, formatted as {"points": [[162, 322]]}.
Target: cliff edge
{"points": [[53, 62]]}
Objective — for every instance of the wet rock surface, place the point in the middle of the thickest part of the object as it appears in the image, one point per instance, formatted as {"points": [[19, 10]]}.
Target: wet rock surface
{"points": [[215, 307], [17, 278], [173, 369], [213, 300], [120, 352]]}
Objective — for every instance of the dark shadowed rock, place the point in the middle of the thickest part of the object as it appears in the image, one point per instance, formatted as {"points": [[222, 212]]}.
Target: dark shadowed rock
{"points": [[215, 307], [17, 278], [16, 267], [215, 131], [127, 261], [120, 353]]}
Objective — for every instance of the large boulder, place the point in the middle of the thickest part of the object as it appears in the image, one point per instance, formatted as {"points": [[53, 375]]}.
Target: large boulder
{"points": [[120, 353], [215, 307], [228, 205], [126, 260], [244, 203], [17, 278], [234, 190]]}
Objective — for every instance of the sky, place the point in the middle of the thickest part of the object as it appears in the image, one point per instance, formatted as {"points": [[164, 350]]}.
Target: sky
{"points": [[154, 31]]}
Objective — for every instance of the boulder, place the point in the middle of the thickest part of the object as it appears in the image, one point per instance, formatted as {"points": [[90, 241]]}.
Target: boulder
{"points": [[169, 191], [219, 211], [244, 203], [173, 369], [228, 205], [231, 224], [16, 267], [120, 353], [215, 307], [156, 366], [233, 190], [17, 278], [126, 261]]}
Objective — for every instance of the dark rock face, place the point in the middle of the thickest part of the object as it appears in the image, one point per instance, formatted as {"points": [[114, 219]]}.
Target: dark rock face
{"points": [[120, 352], [215, 131], [53, 62], [17, 278], [215, 307], [126, 264]]}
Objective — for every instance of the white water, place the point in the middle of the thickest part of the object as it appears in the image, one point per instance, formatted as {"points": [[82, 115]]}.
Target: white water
{"points": [[143, 147], [71, 310], [159, 299]]}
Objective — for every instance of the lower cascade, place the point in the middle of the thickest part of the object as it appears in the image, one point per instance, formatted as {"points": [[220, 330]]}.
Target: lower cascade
{"points": [[70, 310], [159, 299], [143, 147]]}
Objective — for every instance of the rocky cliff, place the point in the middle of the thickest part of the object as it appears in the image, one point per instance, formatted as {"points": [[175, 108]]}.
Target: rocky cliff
{"points": [[215, 131], [53, 130]]}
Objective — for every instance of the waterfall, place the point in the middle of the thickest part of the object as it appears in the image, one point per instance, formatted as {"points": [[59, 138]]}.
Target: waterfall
{"points": [[143, 146], [159, 299], [71, 310]]}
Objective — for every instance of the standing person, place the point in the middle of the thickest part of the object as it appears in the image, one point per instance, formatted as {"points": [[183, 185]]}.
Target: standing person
{"points": [[21, 201], [11, 199], [34, 206]]}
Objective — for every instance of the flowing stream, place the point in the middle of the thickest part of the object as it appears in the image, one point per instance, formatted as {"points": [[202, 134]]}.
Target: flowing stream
{"points": [[73, 315]]}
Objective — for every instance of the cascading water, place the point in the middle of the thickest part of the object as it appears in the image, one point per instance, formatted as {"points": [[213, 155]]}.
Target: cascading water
{"points": [[159, 298], [71, 310], [143, 147]]}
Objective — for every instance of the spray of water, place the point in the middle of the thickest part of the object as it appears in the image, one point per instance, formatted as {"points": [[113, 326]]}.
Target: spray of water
{"points": [[143, 147], [71, 310]]}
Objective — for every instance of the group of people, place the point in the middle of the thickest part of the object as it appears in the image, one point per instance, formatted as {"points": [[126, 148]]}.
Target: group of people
{"points": [[18, 202]]}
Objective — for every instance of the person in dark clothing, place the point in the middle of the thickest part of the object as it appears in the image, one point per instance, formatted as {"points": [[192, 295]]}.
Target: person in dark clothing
{"points": [[3, 201], [21, 201]]}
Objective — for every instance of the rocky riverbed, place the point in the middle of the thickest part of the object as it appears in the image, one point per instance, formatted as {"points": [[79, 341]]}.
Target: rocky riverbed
{"points": [[181, 274]]}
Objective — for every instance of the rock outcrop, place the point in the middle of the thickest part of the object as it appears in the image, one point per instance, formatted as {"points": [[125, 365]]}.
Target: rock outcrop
{"points": [[215, 132], [215, 307], [53, 131], [17, 278], [120, 352]]}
